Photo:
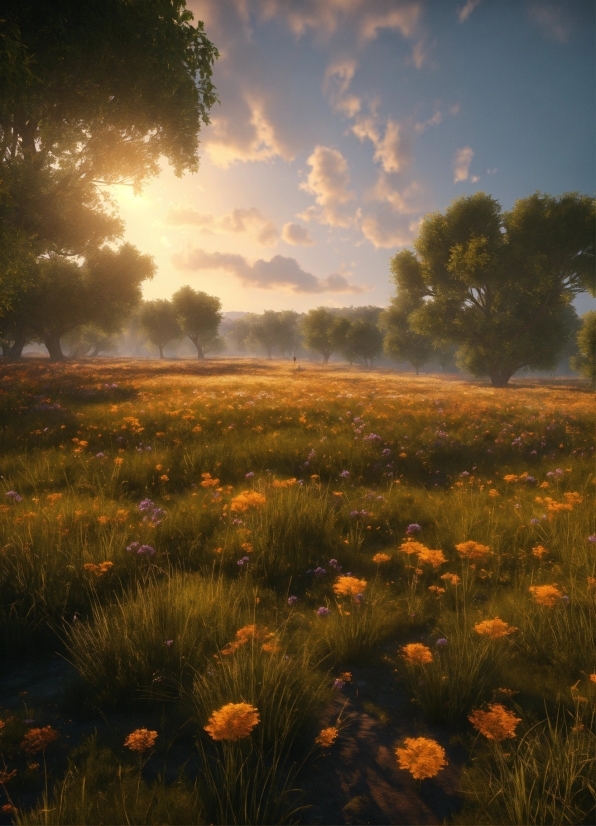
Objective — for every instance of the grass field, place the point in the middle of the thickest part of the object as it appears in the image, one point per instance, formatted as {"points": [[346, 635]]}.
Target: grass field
{"points": [[340, 551]]}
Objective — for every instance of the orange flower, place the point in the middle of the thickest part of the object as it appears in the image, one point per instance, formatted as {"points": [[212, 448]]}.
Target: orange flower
{"points": [[417, 654], [539, 551], [421, 757], [452, 579], [434, 589], [232, 721], [287, 483], [511, 477], [381, 558], [98, 570], [208, 481], [430, 557], [327, 736], [592, 678], [140, 740], [38, 739], [346, 676], [413, 547], [546, 595], [164, 478], [494, 628], [118, 460], [247, 547], [493, 492], [349, 586], [5, 776], [246, 500], [498, 723], [591, 580], [472, 550]]}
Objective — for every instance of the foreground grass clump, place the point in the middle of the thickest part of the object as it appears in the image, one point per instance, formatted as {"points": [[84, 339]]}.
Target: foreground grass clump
{"points": [[240, 534]]}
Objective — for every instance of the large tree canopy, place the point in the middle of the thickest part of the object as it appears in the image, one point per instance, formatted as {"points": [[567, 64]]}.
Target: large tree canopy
{"points": [[199, 316], [91, 93], [499, 284]]}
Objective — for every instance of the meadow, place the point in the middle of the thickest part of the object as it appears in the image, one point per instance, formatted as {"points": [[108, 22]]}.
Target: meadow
{"points": [[313, 595]]}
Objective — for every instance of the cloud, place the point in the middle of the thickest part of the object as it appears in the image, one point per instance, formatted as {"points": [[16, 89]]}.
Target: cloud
{"points": [[249, 221], [278, 272], [393, 149], [404, 19], [384, 228], [467, 10], [328, 180], [553, 21], [296, 235], [461, 164], [436, 119], [404, 202], [338, 77]]}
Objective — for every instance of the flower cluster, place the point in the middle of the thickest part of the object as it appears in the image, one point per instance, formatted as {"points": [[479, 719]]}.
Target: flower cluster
{"points": [[349, 586], [416, 653], [100, 569], [38, 739], [151, 512], [498, 723], [141, 740], [141, 550], [250, 633], [381, 558], [327, 737], [422, 757], [246, 500], [494, 628], [233, 721], [472, 550], [546, 595]]}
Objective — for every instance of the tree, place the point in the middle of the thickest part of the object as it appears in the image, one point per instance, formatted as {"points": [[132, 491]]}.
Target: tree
{"points": [[89, 340], [323, 331], [102, 291], [159, 321], [497, 284], [91, 93], [363, 339], [402, 343], [199, 316], [585, 361]]}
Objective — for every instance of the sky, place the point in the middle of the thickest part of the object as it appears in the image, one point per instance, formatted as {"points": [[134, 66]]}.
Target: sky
{"points": [[341, 123]]}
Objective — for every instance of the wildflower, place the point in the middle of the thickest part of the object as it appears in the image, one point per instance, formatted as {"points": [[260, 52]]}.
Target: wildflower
{"points": [[546, 595], [292, 601], [412, 547], [246, 500], [436, 590], [38, 739], [98, 570], [208, 481], [591, 583], [323, 612], [249, 475], [413, 528], [442, 642], [349, 586], [5, 776], [539, 551], [416, 654], [232, 721], [494, 628], [511, 477], [118, 460], [345, 474], [320, 572], [430, 557], [164, 478], [592, 538], [592, 678], [498, 723], [288, 483], [381, 558], [338, 684], [472, 550], [327, 737], [12, 494], [346, 676], [333, 563], [145, 550], [422, 757], [452, 579], [243, 561], [141, 740], [493, 492], [169, 643]]}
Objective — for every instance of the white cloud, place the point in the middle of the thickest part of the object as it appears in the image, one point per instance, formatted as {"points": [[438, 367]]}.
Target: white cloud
{"points": [[404, 202], [384, 228], [249, 221], [404, 19], [553, 21], [435, 120], [328, 180], [296, 235], [338, 77], [280, 271], [467, 10], [393, 149], [461, 164]]}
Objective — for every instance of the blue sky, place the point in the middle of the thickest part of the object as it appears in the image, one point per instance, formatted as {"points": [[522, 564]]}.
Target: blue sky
{"points": [[342, 122]]}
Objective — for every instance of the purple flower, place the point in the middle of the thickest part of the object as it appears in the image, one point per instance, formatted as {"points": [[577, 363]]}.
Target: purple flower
{"points": [[386, 452], [146, 505], [319, 571], [169, 643], [237, 522], [530, 480], [338, 684], [534, 521], [345, 474], [12, 494], [359, 514], [592, 538], [564, 598], [244, 560], [413, 528], [146, 550], [100, 455], [442, 642], [133, 546], [372, 437], [323, 612], [333, 563], [358, 598], [464, 473], [292, 601], [249, 475]]}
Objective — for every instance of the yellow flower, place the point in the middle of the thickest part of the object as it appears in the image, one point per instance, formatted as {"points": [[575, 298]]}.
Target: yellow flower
{"points": [[417, 653], [232, 721], [422, 757], [472, 550], [208, 481], [539, 551], [546, 595], [498, 723], [381, 558], [452, 579], [592, 678], [140, 740], [118, 460], [349, 586], [493, 492], [98, 570], [164, 478], [38, 739], [511, 477], [494, 628], [246, 500], [327, 736], [430, 557], [413, 547], [434, 589], [287, 483]]}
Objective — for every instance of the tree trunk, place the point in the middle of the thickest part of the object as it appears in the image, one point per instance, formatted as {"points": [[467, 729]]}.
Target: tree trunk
{"points": [[52, 343], [500, 378], [200, 353], [161, 346], [18, 345]]}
